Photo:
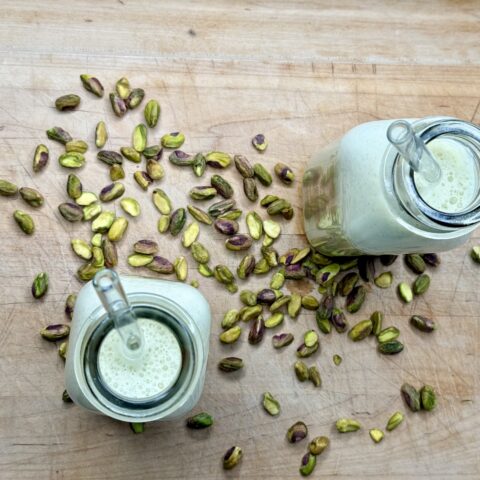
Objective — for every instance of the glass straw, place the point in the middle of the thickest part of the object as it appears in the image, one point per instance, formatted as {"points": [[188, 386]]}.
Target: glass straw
{"points": [[110, 291], [401, 135]]}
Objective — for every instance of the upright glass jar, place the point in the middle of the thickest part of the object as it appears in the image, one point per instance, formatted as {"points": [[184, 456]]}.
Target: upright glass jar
{"points": [[184, 315], [362, 197]]}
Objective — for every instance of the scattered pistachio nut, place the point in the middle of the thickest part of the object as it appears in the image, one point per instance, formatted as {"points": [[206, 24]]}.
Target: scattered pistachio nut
{"points": [[70, 305], [431, 259], [428, 398], [314, 376], [384, 280], [142, 179], [199, 164], [86, 198], [270, 404], [137, 427], [345, 425], [377, 322], [55, 332], [40, 285], [361, 330], [347, 283], [177, 221], [139, 137], [259, 142], [116, 172], [87, 271], [284, 173], [257, 331], [254, 225], [154, 169], [262, 174], [339, 320], [238, 242], [218, 159], [98, 259], [161, 265], [304, 352], [146, 247], [205, 270], [110, 254], [172, 140], [355, 299], [131, 154], [337, 360], [297, 432], [272, 228], [421, 284], [190, 235], [101, 134], [226, 227], [282, 340], [220, 208], [60, 135], [390, 348], [62, 350], [231, 335], [109, 157], [24, 221], [91, 211], [411, 396], [181, 268], [81, 248], [243, 166], [250, 189], [181, 159], [202, 193], [318, 445], [388, 334], [249, 298], [117, 229], [68, 102], [376, 435], [74, 186], [139, 260], [153, 152], [7, 189], [415, 263], [31, 196], [405, 292], [199, 215], [230, 364], [78, 146], [221, 185], [118, 104], [199, 421], [268, 200], [277, 281], [111, 192], [232, 457], [230, 318], [310, 338], [422, 323], [394, 421], [294, 305], [71, 212], [71, 160], [199, 253], [308, 464], [274, 320], [122, 87], [135, 98], [163, 223], [151, 113], [92, 85]]}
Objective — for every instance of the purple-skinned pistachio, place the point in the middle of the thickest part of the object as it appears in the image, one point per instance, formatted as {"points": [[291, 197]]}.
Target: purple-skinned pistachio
{"points": [[112, 192], [180, 158], [246, 267], [161, 265], [294, 272], [109, 157], [225, 226], [266, 296], [92, 84], [40, 158], [303, 351], [142, 178], [284, 173], [55, 332], [147, 247], [257, 331], [259, 142], [339, 320], [119, 106], [282, 340], [239, 242], [297, 432]]}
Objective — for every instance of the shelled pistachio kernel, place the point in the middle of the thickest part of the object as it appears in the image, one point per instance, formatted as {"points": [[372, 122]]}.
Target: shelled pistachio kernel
{"points": [[376, 435], [361, 330], [318, 445], [297, 432], [24, 221], [152, 113], [81, 248], [92, 85], [394, 421], [308, 464], [139, 260], [232, 457], [172, 140], [314, 376], [337, 360], [411, 396], [384, 280], [310, 338], [230, 364], [231, 335], [230, 318], [345, 425], [388, 334], [130, 206], [428, 398], [405, 292], [270, 404], [101, 134], [421, 284], [190, 235], [301, 370], [199, 421], [377, 322], [103, 222]]}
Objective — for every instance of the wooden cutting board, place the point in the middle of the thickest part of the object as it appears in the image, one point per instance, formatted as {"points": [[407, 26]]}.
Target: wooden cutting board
{"points": [[302, 75]]}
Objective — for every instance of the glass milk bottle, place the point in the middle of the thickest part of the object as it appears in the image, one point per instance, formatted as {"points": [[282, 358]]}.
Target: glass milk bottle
{"points": [[416, 190], [138, 347]]}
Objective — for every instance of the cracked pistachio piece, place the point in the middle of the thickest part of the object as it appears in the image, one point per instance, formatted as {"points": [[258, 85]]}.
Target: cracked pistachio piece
{"points": [[154, 169], [261, 267], [172, 140], [246, 267], [86, 198], [81, 248], [411, 396], [337, 360], [137, 427], [74, 186], [103, 222], [92, 85], [247, 297], [361, 330], [405, 292], [225, 226], [304, 352], [297, 432], [67, 103], [101, 134], [70, 305], [377, 322], [91, 211], [199, 215], [223, 275], [130, 206], [250, 189], [346, 425], [308, 464], [318, 445], [122, 87], [116, 172], [384, 280], [161, 265], [40, 285], [24, 221], [109, 157], [272, 228], [270, 404], [151, 113], [199, 165], [205, 270], [314, 376], [181, 268], [394, 421], [259, 142], [376, 435], [284, 173]]}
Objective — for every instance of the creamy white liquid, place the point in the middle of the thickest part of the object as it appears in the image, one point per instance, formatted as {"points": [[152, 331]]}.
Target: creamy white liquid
{"points": [[155, 373], [458, 186]]}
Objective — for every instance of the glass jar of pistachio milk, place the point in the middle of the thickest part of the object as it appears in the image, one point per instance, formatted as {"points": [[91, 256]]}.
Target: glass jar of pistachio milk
{"points": [[138, 347], [391, 187]]}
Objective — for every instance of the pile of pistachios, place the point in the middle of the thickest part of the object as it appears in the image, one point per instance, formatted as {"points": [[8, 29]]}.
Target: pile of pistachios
{"points": [[335, 278]]}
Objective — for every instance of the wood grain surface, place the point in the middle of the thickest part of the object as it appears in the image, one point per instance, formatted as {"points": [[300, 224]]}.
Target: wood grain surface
{"points": [[302, 73]]}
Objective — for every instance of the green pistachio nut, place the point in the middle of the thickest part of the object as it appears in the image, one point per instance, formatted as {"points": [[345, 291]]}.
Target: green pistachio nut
{"points": [[40, 159], [24, 221], [218, 159], [70, 212], [172, 140], [31, 196], [117, 229], [232, 457], [68, 102], [40, 285], [230, 364], [135, 98], [152, 113], [346, 425], [92, 85], [270, 404], [411, 396], [243, 166], [59, 135]]}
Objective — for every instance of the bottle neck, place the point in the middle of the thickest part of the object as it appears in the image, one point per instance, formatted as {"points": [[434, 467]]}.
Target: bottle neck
{"points": [[453, 202]]}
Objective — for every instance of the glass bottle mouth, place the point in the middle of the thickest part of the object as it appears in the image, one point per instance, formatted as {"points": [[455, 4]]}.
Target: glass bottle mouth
{"points": [[467, 140]]}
